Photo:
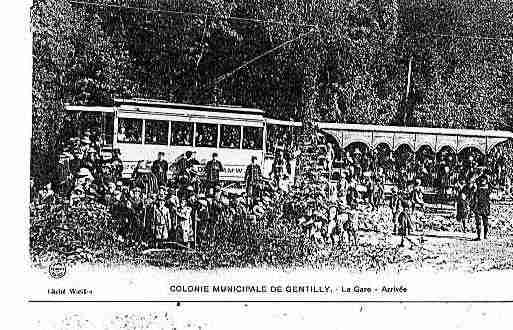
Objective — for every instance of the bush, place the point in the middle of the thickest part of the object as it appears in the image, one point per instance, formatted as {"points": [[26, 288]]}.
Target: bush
{"points": [[87, 233]]}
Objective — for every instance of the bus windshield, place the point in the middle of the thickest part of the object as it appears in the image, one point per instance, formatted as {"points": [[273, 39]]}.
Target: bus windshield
{"points": [[98, 125]]}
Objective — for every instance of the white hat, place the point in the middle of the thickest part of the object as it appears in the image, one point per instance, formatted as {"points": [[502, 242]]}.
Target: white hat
{"points": [[84, 172]]}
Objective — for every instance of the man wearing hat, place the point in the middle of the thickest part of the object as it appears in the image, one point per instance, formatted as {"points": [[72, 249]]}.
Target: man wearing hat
{"points": [[159, 168], [82, 174], [253, 177], [212, 170], [481, 207]]}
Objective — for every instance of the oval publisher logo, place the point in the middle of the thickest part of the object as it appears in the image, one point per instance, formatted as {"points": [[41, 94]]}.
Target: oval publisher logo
{"points": [[57, 270]]}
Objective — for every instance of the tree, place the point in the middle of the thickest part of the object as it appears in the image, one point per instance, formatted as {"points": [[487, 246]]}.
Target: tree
{"points": [[73, 61]]}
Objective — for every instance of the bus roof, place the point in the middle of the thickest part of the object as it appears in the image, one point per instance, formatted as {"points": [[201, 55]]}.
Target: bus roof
{"points": [[209, 108], [88, 108], [418, 130]]}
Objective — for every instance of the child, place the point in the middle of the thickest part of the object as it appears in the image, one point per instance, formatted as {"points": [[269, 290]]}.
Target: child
{"points": [[404, 221], [185, 221], [462, 210], [161, 222]]}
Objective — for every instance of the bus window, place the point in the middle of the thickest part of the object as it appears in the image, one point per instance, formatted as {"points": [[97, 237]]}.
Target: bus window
{"points": [[130, 130], [253, 137], [181, 133], [156, 132], [230, 136], [206, 135]]}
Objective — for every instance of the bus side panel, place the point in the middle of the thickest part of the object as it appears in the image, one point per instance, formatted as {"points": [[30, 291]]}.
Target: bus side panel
{"points": [[233, 160]]}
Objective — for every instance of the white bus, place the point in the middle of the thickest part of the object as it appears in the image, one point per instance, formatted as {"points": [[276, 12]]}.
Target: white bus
{"points": [[141, 128]]}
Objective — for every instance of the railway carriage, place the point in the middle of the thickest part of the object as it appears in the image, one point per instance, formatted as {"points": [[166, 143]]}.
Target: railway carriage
{"points": [[141, 128]]}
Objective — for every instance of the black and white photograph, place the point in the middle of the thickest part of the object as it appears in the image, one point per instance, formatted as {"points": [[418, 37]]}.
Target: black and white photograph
{"points": [[225, 137]]}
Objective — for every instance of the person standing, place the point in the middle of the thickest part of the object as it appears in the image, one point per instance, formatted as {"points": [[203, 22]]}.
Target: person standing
{"points": [[161, 222], [342, 187], [278, 168], [462, 209], [159, 168], [370, 191], [379, 187], [417, 196], [212, 170], [117, 164], [253, 177], [330, 156], [47, 195], [404, 221], [184, 167], [352, 194], [482, 207], [185, 220], [396, 207]]}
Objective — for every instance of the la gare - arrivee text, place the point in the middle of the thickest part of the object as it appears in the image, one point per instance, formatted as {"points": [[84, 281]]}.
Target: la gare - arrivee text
{"points": [[383, 289], [71, 291]]}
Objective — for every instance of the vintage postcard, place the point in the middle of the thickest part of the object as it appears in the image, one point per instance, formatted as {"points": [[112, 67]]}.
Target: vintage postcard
{"points": [[271, 151]]}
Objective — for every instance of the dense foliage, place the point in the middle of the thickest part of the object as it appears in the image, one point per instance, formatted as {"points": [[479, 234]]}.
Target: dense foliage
{"points": [[349, 62], [87, 233]]}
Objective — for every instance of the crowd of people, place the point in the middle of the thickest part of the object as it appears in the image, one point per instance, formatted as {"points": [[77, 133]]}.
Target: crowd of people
{"points": [[150, 207], [189, 209], [441, 172], [361, 177]]}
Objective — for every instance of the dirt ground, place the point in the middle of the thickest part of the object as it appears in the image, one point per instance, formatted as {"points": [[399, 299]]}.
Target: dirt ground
{"points": [[438, 242]]}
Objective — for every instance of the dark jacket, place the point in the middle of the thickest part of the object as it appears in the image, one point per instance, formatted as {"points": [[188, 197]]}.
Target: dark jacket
{"points": [[482, 201], [183, 165], [253, 174], [212, 170], [159, 168]]}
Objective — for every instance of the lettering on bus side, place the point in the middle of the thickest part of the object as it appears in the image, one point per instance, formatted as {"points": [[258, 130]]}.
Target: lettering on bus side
{"points": [[230, 171]]}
